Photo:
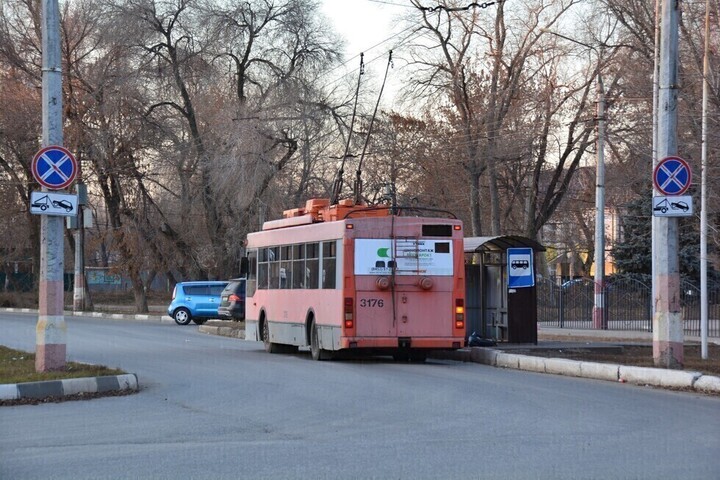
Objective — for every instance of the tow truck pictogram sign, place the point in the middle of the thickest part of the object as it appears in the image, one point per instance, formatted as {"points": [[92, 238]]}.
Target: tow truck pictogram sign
{"points": [[675, 206], [51, 203]]}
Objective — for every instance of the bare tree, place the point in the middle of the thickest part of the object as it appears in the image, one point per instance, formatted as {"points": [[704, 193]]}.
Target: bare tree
{"points": [[508, 103]]}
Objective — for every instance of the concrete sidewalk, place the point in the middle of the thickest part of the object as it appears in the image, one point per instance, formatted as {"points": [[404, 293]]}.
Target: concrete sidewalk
{"points": [[625, 336]]}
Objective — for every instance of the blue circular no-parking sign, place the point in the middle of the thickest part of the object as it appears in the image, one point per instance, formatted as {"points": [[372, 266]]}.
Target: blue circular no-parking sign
{"points": [[672, 176], [54, 167]]}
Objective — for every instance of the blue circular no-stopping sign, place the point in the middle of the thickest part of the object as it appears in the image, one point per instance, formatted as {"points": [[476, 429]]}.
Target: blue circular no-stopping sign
{"points": [[54, 167], [672, 176]]}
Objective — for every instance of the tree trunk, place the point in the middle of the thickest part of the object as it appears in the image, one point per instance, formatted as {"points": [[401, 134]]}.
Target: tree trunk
{"points": [[475, 216]]}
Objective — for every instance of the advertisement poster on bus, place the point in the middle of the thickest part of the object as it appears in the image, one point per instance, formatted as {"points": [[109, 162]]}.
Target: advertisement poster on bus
{"points": [[375, 256]]}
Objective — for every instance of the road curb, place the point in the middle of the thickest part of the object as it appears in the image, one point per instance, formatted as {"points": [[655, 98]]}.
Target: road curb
{"points": [[222, 331], [69, 386], [656, 377]]}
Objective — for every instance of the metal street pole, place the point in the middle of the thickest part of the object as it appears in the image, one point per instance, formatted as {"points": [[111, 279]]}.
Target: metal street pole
{"points": [[667, 313], [79, 287], [655, 159], [703, 195], [51, 331], [599, 305]]}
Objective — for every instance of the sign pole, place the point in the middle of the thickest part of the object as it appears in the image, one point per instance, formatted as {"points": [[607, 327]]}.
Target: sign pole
{"points": [[51, 331], [667, 313]]}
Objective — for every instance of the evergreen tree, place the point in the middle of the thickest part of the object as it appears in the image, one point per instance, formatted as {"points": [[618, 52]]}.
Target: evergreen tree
{"points": [[633, 251]]}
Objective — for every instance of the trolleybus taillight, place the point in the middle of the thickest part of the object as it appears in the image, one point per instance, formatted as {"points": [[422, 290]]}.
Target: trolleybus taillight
{"points": [[459, 313], [349, 321]]}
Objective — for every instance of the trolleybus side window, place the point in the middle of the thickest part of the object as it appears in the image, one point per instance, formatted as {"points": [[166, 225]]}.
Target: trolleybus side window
{"points": [[263, 266], [286, 266], [274, 262], [298, 266], [312, 265], [328, 264], [251, 284]]}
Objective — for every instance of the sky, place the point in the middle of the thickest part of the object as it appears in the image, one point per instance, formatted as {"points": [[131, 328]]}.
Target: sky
{"points": [[363, 23], [370, 27]]}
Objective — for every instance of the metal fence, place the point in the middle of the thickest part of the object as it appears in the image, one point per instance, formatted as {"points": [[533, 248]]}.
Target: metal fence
{"points": [[628, 305]]}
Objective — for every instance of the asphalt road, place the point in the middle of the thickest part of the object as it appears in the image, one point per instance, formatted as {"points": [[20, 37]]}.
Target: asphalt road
{"points": [[218, 407]]}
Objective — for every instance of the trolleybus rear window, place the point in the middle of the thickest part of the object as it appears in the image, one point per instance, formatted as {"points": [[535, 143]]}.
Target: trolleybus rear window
{"points": [[437, 230]]}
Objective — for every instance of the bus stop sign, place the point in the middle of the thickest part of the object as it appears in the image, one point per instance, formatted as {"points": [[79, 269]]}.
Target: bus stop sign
{"points": [[520, 267], [54, 167], [672, 176]]}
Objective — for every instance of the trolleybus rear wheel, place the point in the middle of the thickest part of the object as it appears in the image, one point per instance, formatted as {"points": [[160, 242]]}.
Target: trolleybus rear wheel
{"points": [[270, 347], [418, 357], [316, 352], [401, 356]]}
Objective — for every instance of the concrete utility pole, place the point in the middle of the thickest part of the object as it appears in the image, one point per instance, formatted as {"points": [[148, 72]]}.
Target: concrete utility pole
{"points": [[51, 331], [667, 314]]}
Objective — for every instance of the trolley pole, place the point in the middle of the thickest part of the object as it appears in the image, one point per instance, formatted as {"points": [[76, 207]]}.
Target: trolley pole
{"points": [[51, 331], [667, 313]]}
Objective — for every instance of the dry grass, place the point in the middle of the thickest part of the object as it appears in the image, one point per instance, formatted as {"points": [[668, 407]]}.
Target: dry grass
{"points": [[19, 367]]}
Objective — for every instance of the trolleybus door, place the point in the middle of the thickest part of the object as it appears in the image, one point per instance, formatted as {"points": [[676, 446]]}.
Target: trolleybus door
{"points": [[423, 300]]}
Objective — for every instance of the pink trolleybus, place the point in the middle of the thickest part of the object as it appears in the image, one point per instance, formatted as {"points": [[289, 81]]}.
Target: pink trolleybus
{"points": [[350, 277]]}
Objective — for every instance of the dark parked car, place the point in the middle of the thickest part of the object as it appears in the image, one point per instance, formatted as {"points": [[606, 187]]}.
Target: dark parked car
{"points": [[232, 301]]}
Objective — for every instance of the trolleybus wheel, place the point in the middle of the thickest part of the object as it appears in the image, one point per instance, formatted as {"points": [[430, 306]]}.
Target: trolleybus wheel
{"points": [[401, 356], [316, 352], [418, 357], [270, 347]]}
